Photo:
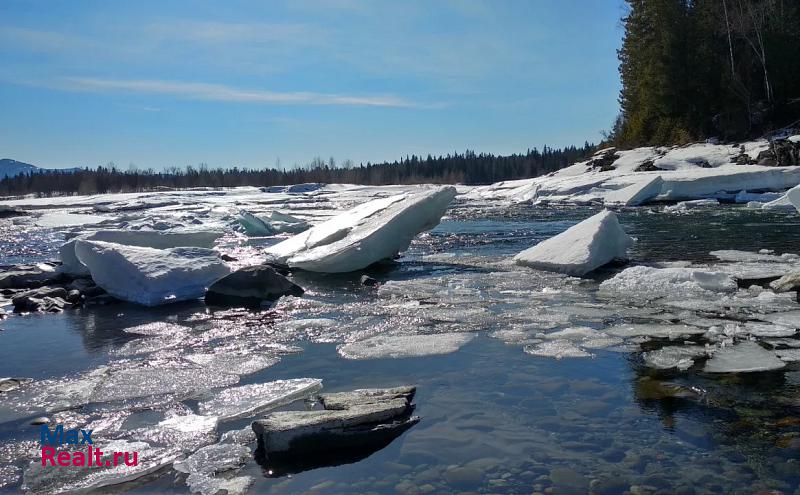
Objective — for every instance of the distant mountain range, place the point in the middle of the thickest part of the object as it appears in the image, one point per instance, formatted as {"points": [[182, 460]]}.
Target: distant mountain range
{"points": [[11, 168]]}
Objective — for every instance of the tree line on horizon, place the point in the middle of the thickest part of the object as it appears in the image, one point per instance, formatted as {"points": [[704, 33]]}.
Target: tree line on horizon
{"points": [[694, 69], [459, 168]]}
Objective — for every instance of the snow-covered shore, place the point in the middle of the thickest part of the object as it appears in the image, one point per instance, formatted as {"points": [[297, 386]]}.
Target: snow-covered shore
{"points": [[634, 177]]}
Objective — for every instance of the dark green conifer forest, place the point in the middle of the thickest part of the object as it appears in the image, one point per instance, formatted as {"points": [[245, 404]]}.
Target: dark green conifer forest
{"points": [[693, 69]]}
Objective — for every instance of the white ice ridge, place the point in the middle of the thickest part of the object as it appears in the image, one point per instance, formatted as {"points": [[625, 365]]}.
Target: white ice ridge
{"points": [[369, 233], [580, 249], [150, 276], [143, 238]]}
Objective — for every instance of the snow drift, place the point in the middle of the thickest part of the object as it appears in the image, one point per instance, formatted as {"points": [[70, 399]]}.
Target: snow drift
{"points": [[150, 276], [369, 233], [580, 249]]}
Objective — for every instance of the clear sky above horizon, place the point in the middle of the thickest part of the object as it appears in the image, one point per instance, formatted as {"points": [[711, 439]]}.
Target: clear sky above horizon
{"points": [[251, 83]]}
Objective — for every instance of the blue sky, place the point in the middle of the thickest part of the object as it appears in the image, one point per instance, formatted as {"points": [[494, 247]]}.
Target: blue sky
{"points": [[161, 83]]}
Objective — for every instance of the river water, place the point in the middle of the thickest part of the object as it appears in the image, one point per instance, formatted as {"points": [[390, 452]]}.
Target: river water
{"points": [[495, 419]]}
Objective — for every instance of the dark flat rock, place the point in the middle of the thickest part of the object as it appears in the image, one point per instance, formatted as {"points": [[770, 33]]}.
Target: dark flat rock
{"points": [[250, 286]]}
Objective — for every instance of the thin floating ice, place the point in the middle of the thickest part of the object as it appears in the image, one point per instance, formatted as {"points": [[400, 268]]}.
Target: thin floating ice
{"points": [[402, 346], [248, 400], [744, 357], [558, 349]]}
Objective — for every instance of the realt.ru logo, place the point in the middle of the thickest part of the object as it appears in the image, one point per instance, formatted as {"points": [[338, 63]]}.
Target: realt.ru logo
{"points": [[58, 437]]}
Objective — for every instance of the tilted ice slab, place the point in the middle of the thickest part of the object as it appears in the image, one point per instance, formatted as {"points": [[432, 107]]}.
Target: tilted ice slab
{"points": [[274, 223], [744, 357], [150, 276], [375, 231], [401, 346], [636, 194], [248, 400], [793, 195], [642, 283], [580, 249]]}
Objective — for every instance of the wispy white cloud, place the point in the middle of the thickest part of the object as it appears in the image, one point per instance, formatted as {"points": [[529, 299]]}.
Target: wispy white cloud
{"points": [[223, 93]]}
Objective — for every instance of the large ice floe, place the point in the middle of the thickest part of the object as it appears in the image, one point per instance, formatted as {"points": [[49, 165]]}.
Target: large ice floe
{"points": [[582, 248], [150, 276], [369, 233], [143, 238]]}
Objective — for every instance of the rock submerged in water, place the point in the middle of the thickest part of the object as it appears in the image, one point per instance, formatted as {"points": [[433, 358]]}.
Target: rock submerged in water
{"points": [[30, 276], [352, 426], [250, 286], [580, 249], [44, 299]]}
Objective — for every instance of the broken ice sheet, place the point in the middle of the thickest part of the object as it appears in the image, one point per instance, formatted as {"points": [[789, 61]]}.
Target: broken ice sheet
{"points": [[788, 319], [233, 364], [788, 355], [156, 328], [681, 357], [213, 459], [142, 379], [742, 358], [243, 436], [642, 283], [654, 330], [767, 330], [147, 345], [184, 433], [72, 479], [573, 334], [212, 485], [401, 346], [556, 349], [52, 395], [248, 400]]}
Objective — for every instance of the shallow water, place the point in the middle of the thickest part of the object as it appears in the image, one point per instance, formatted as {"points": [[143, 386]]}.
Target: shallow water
{"points": [[495, 419]]}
